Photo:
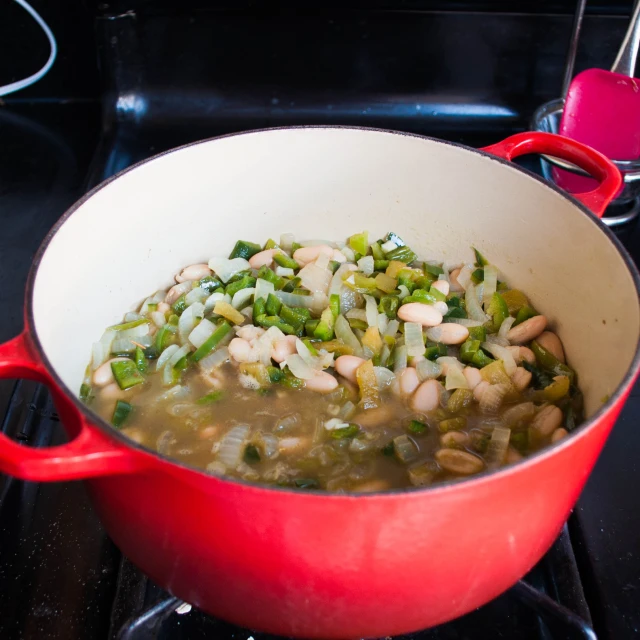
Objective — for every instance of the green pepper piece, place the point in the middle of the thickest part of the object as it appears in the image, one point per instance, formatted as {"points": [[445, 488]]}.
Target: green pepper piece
{"points": [[454, 312], [126, 373], [432, 269], [293, 284], [524, 314], [209, 284], [293, 317], [291, 381], [129, 325], [349, 431], [310, 326], [210, 398], [376, 251], [273, 305], [307, 343], [437, 294], [381, 265], [85, 392], [481, 261], [539, 378], [415, 426], [359, 242], [420, 295], [468, 350], [275, 321], [389, 306], [259, 308], [454, 301], [478, 333], [481, 359], [306, 483], [120, 413], [550, 363], [324, 330], [519, 441], [285, 261], [179, 305], [275, 374], [222, 331], [452, 424], [498, 309], [435, 350], [173, 321], [401, 254], [478, 276], [244, 249], [141, 360], [355, 323], [251, 454], [266, 274], [245, 282], [557, 390], [271, 244], [334, 304]]}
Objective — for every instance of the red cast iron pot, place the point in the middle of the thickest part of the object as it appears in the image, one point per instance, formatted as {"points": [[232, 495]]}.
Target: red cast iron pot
{"points": [[310, 564]]}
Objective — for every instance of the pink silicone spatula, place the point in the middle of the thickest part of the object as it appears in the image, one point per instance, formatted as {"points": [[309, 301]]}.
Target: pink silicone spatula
{"points": [[602, 108]]}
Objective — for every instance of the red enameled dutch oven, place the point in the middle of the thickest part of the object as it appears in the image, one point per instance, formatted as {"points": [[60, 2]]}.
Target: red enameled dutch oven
{"points": [[308, 564]]}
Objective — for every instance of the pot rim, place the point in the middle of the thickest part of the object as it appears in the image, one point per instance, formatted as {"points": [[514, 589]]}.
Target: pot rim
{"points": [[94, 420]]}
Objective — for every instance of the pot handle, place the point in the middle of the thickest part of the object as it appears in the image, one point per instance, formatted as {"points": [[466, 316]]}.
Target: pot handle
{"points": [[593, 162], [89, 454]]}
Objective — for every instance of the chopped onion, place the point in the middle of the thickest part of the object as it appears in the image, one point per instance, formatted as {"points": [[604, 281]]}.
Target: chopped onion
{"points": [[357, 314], [383, 323], [132, 316], [455, 379], [465, 322], [196, 295], [371, 311], [134, 332], [400, 359], [284, 271], [390, 245], [413, 338], [263, 289], [502, 353], [188, 320], [505, 327], [348, 253], [365, 265], [428, 370], [232, 445], [335, 423], [336, 281], [343, 332], [490, 283], [492, 397], [384, 377], [305, 354], [392, 328], [215, 297], [347, 410], [449, 362], [214, 360], [497, 448], [404, 292], [314, 278], [299, 368], [317, 243], [242, 297], [292, 299], [201, 333], [322, 261], [178, 289], [473, 305], [225, 269], [349, 299], [159, 319], [319, 302], [98, 355], [287, 240], [494, 338], [165, 355], [480, 292], [464, 277]]}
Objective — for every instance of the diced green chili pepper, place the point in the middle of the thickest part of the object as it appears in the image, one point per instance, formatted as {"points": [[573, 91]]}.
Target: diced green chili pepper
{"points": [[481, 359], [469, 349], [251, 454], [275, 374], [420, 295], [359, 242], [355, 323], [380, 265], [388, 449], [401, 254], [324, 330], [275, 321], [481, 261], [376, 251], [266, 274], [498, 309], [550, 363], [291, 381], [244, 283], [357, 256], [452, 424], [306, 483], [222, 331], [454, 301], [433, 269], [210, 398], [259, 308], [126, 373], [141, 360], [349, 431], [285, 261], [293, 317], [310, 346], [435, 350], [478, 333], [271, 244], [179, 305], [301, 292], [437, 294], [389, 306], [85, 392], [152, 306], [129, 325], [334, 265], [519, 441], [539, 378], [310, 326], [524, 314], [293, 284], [415, 426], [478, 276], [120, 413], [209, 284], [334, 304], [295, 246], [454, 312], [244, 249], [273, 305]]}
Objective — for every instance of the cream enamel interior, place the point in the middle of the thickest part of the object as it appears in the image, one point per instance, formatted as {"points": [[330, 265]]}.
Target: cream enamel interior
{"points": [[133, 235]]}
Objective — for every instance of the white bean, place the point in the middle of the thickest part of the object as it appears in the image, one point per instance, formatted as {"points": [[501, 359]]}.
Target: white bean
{"points": [[375, 417], [454, 439], [249, 332], [528, 330], [292, 445], [512, 456], [521, 378], [453, 280], [322, 382], [441, 307], [372, 486], [347, 366], [338, 256], [423, 314], [112, 392], [174, 293], [473, 377], [163, 307], [408, 381], [450, 333], [481, 387], [558, 434], [522, 353], [442, 286], [283, 348], [262, 259], [460, 462], [550, 341], [304, 255], [240, 350], [426, 396], [547, 420], [103, 375], [193, 272]]}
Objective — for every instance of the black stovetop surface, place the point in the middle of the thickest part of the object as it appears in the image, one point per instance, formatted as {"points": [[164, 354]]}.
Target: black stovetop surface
{"points": [[60, 576]]}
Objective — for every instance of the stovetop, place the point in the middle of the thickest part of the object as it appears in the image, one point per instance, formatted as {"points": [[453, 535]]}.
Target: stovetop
{"points": [[60, 575]]}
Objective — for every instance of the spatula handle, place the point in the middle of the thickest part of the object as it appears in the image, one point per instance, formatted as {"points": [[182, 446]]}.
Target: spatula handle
{"points": [[625, 62]]}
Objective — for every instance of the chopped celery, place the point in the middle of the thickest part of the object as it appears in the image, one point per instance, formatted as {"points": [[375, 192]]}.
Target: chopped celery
{"points": [[335, 346], [221, 332], [481, 261], [478, 333], [351, 431], [256, 370], [359, 242], [395, 238], [402, 254], [361, 283], [275, 321], [524, 314], [152, 306], [459, 399], [285, 261], [141, 360], [295, 246], [334, 304], [129, 325], [324, 330], [251, 454], [270, 244], [85, 391], [209, 284], [415, 426], [244, 249], [550, 363], [266, 274], [389, 306], [291, 381], [273, 305], [120, 413], [420, 295], [380, 265], [433, 269], [212, 397], [498, 309], [301, 292], [245, 282]]}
